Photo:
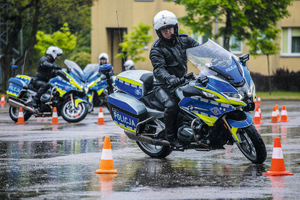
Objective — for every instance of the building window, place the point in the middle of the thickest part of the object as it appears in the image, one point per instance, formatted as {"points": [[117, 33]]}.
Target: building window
{"points": [[202, 38], [235, 45], [290, 42]]}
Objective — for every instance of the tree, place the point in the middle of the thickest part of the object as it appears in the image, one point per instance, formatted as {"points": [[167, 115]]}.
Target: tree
{"points": [[63, 39], [251, 20], [33, 15], [134, 43]]}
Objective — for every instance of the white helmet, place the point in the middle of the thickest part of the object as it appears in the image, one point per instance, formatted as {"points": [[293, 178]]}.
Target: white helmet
{"points": [[165, 19], [128, 64], [103, 56], [54, 52]]}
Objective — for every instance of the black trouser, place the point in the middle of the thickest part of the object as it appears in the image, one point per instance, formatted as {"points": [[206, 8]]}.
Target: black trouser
{"points": [[170, 102], [42, 87]]}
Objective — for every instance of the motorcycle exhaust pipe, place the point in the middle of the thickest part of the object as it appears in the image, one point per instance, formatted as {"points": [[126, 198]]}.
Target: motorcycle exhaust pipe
{"points": [[17, 104], [146, 139]]}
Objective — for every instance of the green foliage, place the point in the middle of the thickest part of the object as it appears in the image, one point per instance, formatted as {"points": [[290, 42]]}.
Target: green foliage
{"points": [[63, 39], [134, 43], [81, 58], [251, 20]]}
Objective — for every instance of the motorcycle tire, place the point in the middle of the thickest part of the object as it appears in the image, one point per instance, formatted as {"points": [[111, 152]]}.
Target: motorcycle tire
{"points": [[74, 114], [14, 114], [251, 144], [154, 151]]}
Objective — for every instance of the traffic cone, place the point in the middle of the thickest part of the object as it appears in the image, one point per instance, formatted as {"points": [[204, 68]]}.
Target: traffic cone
{"points": [[274, 116], [257, 117], [100, 117], [259, 110], [255, 102], [284, 117], [277, 163], [258, 100], [21, 117], [277, 112], [106, 163], [54, 117], [2, 100]]}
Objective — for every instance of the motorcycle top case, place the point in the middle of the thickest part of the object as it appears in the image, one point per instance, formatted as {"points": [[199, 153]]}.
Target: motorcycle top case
{"points": [[133, 82], [127, 111], [15, 85]]}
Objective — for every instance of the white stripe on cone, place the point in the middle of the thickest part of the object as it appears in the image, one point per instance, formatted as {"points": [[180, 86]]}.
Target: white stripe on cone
{"points": [[100, 115], [54, 114], [257, 114], [106, 154], [21, 114], [277, 153], [283, 112]]}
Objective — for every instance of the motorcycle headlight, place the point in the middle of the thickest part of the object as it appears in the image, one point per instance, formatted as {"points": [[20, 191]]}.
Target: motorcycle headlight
{"points": [[209, 95], [251, 89], [234, 95]]}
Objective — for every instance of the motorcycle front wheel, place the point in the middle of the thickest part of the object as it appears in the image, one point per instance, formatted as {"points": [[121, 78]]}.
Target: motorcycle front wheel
{"points": [[251, 144], [73, 114], [154, 151], [14, 114]]}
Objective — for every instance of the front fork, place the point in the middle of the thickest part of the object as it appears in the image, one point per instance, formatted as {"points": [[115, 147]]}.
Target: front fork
{"points": [[232, 130]]}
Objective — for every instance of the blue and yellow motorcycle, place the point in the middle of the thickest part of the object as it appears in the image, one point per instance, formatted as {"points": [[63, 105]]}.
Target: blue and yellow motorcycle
{"points": [[66, 94], [214, 106]]}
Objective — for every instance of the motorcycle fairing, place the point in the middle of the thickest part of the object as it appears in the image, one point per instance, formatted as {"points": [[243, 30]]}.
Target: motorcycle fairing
{"points": [[241, 124], [208, 110]]}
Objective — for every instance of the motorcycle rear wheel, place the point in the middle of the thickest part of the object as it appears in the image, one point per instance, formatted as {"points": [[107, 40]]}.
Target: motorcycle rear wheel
{"points": [[74, 114], [14, 114], [154, 151], [252, 145]]}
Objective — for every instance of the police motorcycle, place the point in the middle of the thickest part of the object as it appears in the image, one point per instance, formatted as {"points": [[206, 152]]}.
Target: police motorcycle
{"points": [[66, 94], [214, 109]]}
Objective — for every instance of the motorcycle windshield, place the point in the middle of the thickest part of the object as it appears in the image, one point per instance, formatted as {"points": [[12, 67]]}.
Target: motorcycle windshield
{"points": [[212, 56], [91, 68], [75, 68]]}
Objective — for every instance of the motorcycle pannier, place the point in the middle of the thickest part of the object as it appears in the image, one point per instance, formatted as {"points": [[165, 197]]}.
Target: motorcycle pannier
{"points": [[126, 111], [136, 84], [15, 85]]}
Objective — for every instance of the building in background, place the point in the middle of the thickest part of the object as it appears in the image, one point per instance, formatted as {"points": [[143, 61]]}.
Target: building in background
{"points": [[110, 19]]}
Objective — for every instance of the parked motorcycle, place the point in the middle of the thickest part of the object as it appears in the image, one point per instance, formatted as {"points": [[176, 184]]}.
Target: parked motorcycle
{"points": [[212, 114], [66, 94], [95, 82]]}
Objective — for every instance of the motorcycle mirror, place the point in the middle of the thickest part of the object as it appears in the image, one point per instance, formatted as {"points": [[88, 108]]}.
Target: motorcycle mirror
{"points": [[244, 58], [68, 70]]}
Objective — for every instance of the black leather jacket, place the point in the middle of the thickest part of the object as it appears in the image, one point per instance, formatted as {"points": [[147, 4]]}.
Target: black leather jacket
{"points": [[45, 69], [170, 60]]}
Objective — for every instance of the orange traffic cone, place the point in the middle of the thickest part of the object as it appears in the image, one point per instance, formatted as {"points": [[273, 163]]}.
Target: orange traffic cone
{"points": [[54, 117], [259, 110], [106, 163], [21, 117], [255, 102], [277, 163], [2, 100], [258, 100], [100, 117], [284, 117], [274, 116], [257, 117], [277, 112]]}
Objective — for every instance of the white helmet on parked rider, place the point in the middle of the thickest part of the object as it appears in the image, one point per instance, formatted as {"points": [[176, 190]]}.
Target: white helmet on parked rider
{"points": [[54, 52], [103, 56], [128, 64], [163, 20]]}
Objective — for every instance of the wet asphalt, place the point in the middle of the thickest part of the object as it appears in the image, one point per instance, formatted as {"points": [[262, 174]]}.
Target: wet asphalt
{"points": [[42, 161]]}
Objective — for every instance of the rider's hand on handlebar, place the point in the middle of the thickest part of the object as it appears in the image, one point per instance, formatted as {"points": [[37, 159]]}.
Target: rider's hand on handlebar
{"points": [[57, 67], [174, 82], [190, 76]]}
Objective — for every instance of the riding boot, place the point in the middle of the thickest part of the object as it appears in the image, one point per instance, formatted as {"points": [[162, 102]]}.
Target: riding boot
{"points": [[171, 129]]}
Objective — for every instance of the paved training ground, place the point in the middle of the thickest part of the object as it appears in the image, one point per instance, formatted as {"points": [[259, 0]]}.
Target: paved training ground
{"points": [[42, 161]]}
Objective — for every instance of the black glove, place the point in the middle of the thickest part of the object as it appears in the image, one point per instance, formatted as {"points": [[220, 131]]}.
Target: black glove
{"points": [[203, 80], [57, 67], [189, 76], [174, 82]]}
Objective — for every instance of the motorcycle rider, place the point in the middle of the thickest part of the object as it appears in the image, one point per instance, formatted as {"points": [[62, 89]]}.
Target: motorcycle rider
{"points": [[129, 65], [104, 59], [45, 71], [169, 61]]}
